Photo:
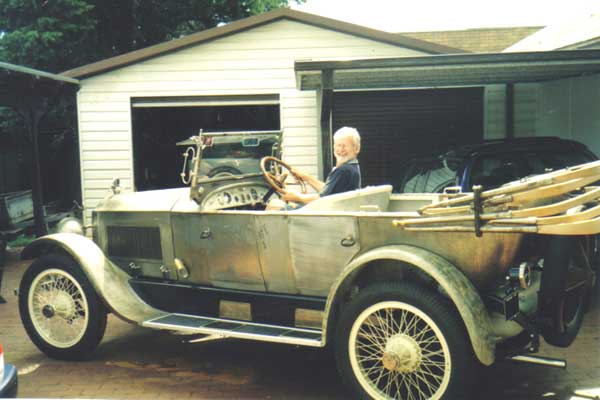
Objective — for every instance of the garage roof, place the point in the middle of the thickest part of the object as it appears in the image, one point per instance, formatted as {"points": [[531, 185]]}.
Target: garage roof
{"points": [[252, 22], [448, 70]]}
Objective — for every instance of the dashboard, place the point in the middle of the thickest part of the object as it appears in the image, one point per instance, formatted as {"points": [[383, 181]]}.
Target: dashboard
{"points": [[235, 196]]}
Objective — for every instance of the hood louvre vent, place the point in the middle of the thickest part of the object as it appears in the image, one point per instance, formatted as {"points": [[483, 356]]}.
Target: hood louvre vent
{"points": [[134, 242]]}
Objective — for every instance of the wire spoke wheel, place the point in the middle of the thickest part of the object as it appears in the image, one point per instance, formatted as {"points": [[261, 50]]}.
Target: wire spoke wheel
{"points": [[400, 340], [398, 352], [58, 308]]}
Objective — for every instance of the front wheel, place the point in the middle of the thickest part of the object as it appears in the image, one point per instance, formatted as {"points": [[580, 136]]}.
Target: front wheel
{"points": [[60, 310], [401, 341]]}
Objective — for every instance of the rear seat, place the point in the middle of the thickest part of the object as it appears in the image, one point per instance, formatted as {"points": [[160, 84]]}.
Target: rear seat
{"points": [[371, 198]]}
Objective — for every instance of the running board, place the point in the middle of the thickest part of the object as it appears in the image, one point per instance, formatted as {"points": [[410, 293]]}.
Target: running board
{"points": [[236, 329]]}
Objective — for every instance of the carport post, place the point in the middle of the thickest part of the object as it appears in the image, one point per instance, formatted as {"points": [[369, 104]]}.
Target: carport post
{"points": [[32, 120], [326, 110], [510, 110]]}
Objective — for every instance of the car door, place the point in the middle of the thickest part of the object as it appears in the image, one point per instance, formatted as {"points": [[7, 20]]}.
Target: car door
{"points": [[219, 248], [320, 248]]}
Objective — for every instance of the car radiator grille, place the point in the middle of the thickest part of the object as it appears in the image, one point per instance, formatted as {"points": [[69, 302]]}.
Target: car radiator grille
{"points": [[134, 242]]}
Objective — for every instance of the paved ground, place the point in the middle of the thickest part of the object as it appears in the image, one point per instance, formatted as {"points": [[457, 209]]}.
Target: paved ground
{"points": [[134, 363]]}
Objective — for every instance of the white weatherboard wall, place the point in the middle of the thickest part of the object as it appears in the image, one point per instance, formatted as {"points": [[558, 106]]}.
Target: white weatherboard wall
{"points": [[567, 108], [570, 108], [526, 100], [256, 61]]}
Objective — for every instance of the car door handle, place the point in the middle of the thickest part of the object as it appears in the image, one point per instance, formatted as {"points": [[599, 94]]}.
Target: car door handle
{"points": [[206, 233], [348, 241]]}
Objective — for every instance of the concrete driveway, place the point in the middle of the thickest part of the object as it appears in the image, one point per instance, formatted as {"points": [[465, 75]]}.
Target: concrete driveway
{"points": [[132, 362]]}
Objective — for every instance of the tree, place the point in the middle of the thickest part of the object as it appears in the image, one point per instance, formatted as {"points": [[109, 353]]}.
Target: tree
{"points": [[126, 25], [46, 35]]}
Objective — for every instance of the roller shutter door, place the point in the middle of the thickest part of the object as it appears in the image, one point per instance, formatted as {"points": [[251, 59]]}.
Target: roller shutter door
{"points": [[398, 125]]}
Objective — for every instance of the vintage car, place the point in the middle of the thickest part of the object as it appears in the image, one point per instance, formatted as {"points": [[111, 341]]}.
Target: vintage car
{"points": [[411, 291], [490, 163]]}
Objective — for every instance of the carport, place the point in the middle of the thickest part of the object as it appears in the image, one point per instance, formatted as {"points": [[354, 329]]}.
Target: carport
{"points": [[27, 91], [337, 81]]}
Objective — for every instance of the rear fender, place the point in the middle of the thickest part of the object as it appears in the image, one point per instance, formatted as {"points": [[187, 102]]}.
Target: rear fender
{"points": [[108, 280], [460, 290]]}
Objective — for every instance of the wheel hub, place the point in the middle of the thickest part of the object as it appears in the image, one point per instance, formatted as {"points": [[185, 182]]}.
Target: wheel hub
{"points": [[64, 305], [48, 311], [402, 354]]}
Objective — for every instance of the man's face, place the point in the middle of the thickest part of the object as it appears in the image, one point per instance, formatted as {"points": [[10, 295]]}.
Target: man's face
{"points": [[344, 149]]}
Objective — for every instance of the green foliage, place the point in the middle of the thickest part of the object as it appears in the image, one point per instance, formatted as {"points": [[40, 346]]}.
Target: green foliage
{"points": [[21, 240], [47, 34]]}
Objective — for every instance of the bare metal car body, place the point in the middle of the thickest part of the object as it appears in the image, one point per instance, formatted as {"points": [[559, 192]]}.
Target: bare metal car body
{"points": [[210, 259]]}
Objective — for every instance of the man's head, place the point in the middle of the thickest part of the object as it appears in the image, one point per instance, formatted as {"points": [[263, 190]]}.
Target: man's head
{"points": [[346, 144]]}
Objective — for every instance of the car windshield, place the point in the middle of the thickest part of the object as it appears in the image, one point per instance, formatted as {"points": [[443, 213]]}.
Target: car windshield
{"points": [[236, 148], [232, 153]]}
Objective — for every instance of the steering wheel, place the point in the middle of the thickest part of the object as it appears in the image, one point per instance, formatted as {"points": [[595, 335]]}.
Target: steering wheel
{"points": [[276, 172]]}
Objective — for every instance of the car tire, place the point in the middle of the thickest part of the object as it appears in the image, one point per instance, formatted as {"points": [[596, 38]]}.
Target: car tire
{"points": [[564, 307], [566, 318], [400, 340], [60, 310]]}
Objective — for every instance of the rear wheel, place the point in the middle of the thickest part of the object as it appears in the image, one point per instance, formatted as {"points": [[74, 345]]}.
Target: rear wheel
{"points": [[567, 314], [60, 310], [401, 341], [565, 284]]}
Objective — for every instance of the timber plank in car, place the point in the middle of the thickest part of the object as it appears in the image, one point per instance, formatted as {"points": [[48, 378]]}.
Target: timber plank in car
{"points": [[237, 329]]}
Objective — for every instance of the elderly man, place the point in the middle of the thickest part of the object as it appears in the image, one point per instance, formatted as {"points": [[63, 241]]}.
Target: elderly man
{"points": [[343, 177]]}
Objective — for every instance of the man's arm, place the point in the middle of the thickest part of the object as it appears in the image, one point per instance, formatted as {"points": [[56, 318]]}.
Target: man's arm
{"points": [[312, 181], [296, 197]]}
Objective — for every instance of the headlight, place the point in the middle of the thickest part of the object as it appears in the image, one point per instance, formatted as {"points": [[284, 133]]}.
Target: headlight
{"points": [[521, 274], [70, 225]]}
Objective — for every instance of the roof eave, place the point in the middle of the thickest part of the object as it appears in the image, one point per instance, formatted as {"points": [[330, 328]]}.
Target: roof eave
{"points": [[448, 70], [19, 69]]}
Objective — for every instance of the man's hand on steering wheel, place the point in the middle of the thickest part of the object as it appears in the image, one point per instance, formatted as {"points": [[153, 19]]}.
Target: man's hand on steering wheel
{"points": [[291, 195], [276, 172]]}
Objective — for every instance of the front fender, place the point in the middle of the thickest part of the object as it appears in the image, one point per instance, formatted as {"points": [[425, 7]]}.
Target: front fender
{"points": [[460, 290], [108, 280]]}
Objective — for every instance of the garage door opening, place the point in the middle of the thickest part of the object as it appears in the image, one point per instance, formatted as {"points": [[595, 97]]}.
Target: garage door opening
{"points": [[397, 125], [157, 127]]}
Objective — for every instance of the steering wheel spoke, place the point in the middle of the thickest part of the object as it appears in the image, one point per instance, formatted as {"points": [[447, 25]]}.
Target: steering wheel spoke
{"points": [[276, 173]]}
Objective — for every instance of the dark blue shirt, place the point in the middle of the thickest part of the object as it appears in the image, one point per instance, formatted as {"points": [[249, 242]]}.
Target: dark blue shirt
{"points": [[344, 178]]}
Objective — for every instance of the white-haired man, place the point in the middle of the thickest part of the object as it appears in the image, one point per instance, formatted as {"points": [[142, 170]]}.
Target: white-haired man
{"points": [[345, 176]]}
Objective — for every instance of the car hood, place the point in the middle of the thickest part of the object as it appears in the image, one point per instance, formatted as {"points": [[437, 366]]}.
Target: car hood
{"points": [[152, 200]]}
